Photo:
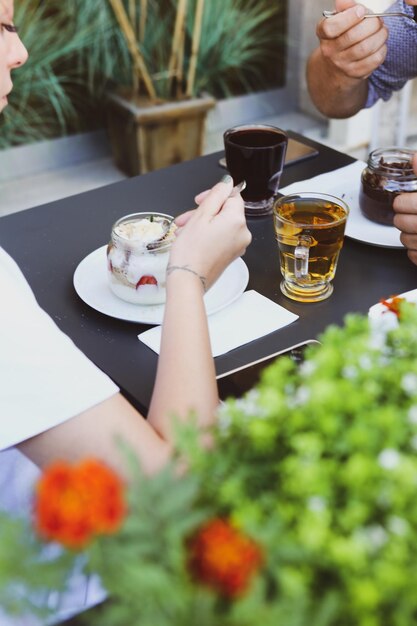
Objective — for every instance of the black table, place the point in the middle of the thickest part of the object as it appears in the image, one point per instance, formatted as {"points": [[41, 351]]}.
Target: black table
{"points": [[49, 241]]}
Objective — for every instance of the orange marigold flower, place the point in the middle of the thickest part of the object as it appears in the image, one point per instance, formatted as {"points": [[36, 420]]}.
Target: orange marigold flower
{"points": [[393, 304], [223, 558], [75, 502]]}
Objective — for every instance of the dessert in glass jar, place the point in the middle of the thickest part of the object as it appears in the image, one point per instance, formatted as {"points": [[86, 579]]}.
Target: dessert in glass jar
{"points": [[389, 172], [137, 257]]}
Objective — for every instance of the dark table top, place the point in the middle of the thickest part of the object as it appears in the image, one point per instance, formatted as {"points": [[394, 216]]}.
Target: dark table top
{"points": [[49, 241]]}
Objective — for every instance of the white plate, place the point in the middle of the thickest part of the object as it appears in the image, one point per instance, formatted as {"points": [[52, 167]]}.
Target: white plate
{"points": [[344, 183], [90, 283], [379, 309]]}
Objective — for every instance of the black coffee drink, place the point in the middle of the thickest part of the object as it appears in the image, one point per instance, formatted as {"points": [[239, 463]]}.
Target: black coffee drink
{"points": [[256, 154]]}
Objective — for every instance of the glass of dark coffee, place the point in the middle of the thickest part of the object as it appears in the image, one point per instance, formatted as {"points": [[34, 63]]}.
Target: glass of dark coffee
{"points": [[256, 153]]}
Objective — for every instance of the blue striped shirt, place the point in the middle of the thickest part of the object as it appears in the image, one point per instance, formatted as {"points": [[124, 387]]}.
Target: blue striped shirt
{"points": [[401, 61]]}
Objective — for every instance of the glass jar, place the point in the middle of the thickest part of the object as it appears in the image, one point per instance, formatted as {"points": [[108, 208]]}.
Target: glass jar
{"points": [[389, 172], [137, 257]]}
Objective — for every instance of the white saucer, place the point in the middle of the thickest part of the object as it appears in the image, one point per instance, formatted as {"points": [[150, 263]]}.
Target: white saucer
{"points": [[90, 283], [345, 183]]}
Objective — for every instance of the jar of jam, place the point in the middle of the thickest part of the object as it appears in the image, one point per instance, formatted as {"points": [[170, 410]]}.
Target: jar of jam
{"points": [[389, 172], [137, 257]]}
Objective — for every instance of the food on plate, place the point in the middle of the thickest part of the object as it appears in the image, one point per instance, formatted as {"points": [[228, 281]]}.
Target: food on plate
{"points": [[393, 304]]}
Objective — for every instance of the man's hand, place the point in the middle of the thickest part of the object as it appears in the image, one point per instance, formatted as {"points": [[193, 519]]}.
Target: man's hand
{"points": [[405, 207], [351, 45], [350, 49]]}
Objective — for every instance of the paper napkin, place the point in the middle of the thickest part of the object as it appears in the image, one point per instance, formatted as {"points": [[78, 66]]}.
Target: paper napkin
{"points": [[337, 183], [248, 318]]}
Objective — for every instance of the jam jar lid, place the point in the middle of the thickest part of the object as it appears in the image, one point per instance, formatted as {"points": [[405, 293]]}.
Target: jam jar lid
{"points": [[148, 231]]}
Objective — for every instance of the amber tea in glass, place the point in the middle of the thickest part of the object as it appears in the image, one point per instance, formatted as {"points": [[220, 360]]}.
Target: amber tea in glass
{"points": [[310, 229]]}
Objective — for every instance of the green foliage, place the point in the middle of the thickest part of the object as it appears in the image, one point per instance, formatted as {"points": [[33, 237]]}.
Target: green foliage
{"points": [[76, 50], [224, 62], [317, 465], [241, 38], [42, 103], [25, 564], [140, 562]]}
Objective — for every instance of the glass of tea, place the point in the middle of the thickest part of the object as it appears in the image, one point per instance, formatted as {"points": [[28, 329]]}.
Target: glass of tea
{"points": [[309, 228], [256, 153]]}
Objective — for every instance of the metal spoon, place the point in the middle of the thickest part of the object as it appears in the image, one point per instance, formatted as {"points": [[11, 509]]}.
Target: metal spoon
{"points": [[387, 14], [238, 188]]}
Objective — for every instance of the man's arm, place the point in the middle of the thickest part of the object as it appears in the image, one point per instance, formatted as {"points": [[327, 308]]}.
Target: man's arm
{"points": [[334, 94], [350, 49]]}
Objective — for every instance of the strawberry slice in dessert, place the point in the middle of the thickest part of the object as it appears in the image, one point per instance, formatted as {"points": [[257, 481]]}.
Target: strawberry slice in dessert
{"points": [[138, 254], [146, 280]]}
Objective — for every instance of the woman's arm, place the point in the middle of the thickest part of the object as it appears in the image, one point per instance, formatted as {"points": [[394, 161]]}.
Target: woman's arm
{"points": [[209, 238], [186, 376]]}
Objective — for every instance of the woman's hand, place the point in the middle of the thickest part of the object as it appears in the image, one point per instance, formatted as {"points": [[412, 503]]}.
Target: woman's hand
{"points": [[210, 237], [405, 219]]}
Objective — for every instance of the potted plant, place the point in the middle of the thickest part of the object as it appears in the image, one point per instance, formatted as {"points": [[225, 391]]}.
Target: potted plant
{"points": [[169, 56], [301, 513], [152, 62], [147, 132]]}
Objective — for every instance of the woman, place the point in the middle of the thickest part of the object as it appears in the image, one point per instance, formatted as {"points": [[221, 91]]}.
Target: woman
{"points": [[55, 403], [209, 238]]}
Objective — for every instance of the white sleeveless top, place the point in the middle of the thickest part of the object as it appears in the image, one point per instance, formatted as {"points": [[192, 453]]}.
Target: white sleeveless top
{"points": [[44, 380]]}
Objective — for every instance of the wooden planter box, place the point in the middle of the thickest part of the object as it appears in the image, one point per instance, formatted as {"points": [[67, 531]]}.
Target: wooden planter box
{"points": [[146, 137]]}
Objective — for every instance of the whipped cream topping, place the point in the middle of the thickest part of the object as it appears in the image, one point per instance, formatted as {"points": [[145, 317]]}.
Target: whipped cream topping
{"points": [[144, 230]]}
